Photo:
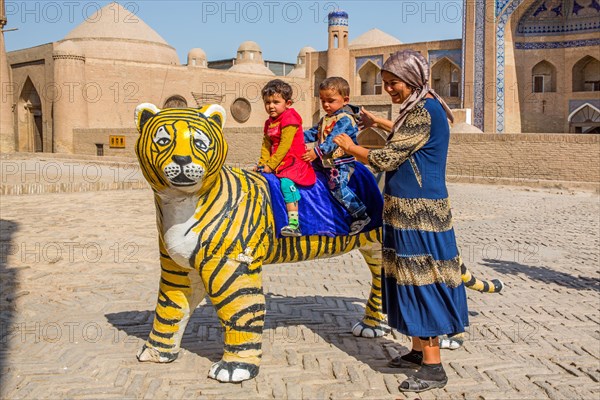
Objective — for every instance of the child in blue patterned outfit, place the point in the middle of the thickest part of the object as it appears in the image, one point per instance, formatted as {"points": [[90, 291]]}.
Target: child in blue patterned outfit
{"points": [[334, 93]]}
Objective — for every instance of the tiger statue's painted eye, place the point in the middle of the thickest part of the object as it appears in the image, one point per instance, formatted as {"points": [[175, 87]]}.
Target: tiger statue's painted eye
{"points": [[201, 141], [162, 137]]}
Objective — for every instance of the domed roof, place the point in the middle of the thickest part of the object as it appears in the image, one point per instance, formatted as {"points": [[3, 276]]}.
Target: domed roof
{"points": [[299, 70], [249, 53], [196, 58], [304, 50], [67, 48], [197, 53], [249, 46], [115, 32], [373, 38]]}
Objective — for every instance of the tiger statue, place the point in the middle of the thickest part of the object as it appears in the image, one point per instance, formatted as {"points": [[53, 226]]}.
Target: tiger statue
{"points": [[216, 229]]}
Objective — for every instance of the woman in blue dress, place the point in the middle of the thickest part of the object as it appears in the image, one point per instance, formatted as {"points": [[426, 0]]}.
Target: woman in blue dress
{"points": [[423, 292]]}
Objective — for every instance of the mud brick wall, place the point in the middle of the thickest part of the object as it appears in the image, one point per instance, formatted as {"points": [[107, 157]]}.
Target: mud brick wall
{"points": [[522, 158]]}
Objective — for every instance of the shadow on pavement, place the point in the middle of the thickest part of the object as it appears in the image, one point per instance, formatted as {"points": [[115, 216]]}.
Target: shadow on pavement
{"points": [[8, 284], [328, 319], [543, 274]]}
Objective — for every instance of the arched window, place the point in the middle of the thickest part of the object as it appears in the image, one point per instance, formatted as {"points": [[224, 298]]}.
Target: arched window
{"points": [[370, 79], [586, 75], [543, 77], [445, 78]]}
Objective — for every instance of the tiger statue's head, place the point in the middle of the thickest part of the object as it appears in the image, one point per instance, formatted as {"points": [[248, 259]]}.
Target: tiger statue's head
{"points": [[180, 148]]}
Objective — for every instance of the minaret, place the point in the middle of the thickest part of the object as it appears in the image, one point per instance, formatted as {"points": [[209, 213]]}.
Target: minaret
{"points": [[338, 54], [7, 132]]}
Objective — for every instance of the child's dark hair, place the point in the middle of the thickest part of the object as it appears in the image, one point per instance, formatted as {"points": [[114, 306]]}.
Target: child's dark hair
{"points": [[277, 86], [336, 83]]}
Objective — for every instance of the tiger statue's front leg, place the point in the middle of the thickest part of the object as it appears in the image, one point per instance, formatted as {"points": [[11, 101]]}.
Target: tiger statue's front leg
{"points": [[234, 287], [180, 292]]}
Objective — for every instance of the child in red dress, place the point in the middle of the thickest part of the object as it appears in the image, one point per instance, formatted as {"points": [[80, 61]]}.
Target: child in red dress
{"points": [[282, 149]]}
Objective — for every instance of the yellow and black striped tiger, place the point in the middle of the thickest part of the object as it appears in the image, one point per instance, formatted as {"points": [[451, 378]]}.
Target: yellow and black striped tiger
{"points": [[216, 230]]}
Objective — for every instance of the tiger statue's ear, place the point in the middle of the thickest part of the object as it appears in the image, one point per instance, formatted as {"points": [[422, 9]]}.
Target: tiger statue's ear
{"points": [[215, 112], [143, 113]]}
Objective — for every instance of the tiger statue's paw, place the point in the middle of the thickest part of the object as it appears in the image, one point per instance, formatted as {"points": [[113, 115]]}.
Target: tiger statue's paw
{"points": [[232, 372], [361, 329], [153, 355]]}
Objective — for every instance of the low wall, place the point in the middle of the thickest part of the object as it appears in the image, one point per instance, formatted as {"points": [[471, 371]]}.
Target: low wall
{"points": [[524, 158], [542, 160]]}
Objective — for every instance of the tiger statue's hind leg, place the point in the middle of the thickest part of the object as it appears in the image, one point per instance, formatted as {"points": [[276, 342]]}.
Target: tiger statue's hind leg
{"points": [[373, 323]]}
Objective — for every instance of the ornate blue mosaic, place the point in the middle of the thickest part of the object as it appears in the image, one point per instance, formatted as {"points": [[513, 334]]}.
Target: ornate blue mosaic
{"points": [[454, 55], [560, 17], [479, 68], [464, 38], [557, 45], [500, 4], [575, 104], [501, 22], [337, 18], [360, 61]]}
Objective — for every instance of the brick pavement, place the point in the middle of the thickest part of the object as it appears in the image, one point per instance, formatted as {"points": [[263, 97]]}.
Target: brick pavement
{"points": [[79, 275]]}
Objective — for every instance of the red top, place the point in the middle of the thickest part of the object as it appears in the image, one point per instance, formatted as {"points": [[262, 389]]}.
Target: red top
{"points": [[292, 166]]}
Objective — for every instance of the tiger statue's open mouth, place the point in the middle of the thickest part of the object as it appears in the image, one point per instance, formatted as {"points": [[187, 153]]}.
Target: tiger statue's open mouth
{"points": [[183, 172]]}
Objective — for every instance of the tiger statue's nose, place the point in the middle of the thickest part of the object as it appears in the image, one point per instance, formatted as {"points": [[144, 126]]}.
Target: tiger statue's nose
{"points": [[182, 160]]}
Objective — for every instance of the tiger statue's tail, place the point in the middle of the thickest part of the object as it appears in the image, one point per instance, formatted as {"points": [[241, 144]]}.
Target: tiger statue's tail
{"points": [[492, 286]]}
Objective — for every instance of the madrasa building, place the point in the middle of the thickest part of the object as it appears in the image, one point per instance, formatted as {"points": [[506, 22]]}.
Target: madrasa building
{"points": [[521, 66]]}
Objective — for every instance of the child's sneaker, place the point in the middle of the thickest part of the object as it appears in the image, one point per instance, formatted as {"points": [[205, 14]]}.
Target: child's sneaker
{"points": [[291, 231], [358, 225]]}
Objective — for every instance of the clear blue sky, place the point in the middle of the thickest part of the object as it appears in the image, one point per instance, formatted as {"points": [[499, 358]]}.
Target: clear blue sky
{"points": [[281, 28]]}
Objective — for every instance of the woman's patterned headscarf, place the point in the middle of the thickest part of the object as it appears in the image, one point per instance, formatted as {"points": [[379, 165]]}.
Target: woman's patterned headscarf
{"points": [[412, 68]]}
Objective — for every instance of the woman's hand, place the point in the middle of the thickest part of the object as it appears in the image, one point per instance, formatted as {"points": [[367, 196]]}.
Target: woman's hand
{"points": [[344, 141], [309, 156], [367, 119], [267, 170]]}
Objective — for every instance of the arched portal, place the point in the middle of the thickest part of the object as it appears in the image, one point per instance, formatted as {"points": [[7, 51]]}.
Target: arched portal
{"points": [[585, 119], [29, 114]]}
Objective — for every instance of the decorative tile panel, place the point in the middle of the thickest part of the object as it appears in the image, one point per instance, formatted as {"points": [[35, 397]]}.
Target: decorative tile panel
{"points": [[575, 104], [453, 55], [557, 45], [501, 22], [360, 61], [479, 67], [500, 4], [560, 17]]}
